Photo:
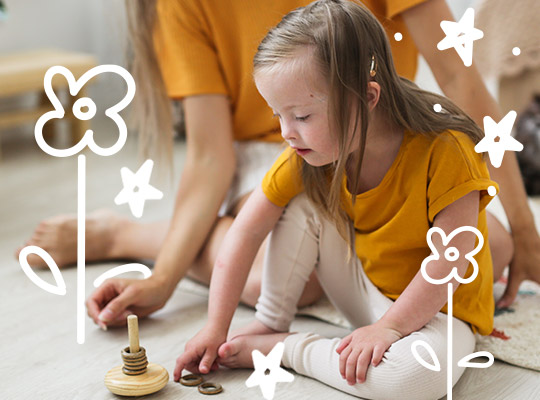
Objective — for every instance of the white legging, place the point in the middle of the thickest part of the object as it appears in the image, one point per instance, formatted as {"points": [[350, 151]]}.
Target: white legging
{"points": [[301, 241]]}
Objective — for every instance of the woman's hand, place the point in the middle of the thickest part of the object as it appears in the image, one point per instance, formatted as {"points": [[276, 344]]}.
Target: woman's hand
{"points": [[364, 346], [525, 265], [115, 299], [200, 353]]}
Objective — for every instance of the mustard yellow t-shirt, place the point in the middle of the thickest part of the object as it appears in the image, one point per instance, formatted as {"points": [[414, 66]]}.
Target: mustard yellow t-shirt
{"points": [[391, 220], [207, 47]]}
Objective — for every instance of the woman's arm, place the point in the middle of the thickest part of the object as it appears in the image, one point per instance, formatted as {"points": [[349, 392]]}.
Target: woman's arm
{"points": [[465, 87], [206, 177], [237, 252]]}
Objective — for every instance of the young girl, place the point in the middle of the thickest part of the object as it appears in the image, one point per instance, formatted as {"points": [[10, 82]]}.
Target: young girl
{"points": [[365, 146], [368, 156]]}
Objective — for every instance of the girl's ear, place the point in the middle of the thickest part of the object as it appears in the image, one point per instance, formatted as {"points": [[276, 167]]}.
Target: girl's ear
{"points": [[373, 94]]}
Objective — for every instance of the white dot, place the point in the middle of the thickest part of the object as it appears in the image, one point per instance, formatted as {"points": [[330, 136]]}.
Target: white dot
{"points": [[516, 51], [437, 107], [84, 115], [451, 254], [492, 191], [398, 36]]}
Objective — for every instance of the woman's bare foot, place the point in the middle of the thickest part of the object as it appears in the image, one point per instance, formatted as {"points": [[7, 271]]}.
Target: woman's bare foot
{"points": [[58, 237], [253, 328], [236, 353]]}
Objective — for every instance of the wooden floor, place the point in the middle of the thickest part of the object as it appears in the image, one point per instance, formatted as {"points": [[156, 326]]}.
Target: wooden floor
{"points": [[40, 355]]}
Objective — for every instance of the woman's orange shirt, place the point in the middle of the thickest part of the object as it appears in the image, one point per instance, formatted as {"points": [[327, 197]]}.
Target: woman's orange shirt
{"points": [[207, 47]]}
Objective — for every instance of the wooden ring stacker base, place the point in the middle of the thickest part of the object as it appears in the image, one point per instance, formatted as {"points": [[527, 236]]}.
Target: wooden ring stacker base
{"points": [[191, 380], [210, 388], [136, 377]]}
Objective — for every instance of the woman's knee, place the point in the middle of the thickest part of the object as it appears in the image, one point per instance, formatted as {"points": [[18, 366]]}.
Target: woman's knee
{"points": [[251, 292], [201, 269], [501, 245]]}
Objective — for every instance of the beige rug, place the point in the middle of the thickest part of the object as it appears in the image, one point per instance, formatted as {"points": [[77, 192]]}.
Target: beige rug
{"points": [[516, 335]]}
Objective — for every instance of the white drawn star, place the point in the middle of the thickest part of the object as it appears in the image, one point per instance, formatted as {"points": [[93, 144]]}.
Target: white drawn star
{"points": [[498, 139], [461, 35], [268, 371], [137, 188]]}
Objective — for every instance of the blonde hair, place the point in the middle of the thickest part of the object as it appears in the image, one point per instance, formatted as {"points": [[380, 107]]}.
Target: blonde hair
{"points": [[348, 42], [151, 112]]}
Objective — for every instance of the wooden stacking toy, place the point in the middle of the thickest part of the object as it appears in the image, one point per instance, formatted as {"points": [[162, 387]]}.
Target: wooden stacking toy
{"points": [[136, 377]]}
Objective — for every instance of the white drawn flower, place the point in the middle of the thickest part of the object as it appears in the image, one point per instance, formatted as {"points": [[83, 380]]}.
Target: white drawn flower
{"points": [[84, 103]]}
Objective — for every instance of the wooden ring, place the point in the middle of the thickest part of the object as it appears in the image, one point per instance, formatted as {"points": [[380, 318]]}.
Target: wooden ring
{"points": [[139, 371], [126, 355], [210, 388], [135, 364], [191, 380]]}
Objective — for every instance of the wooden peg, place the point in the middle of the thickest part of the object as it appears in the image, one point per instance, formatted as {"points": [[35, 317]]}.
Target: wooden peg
{"points": [[133, 333]]}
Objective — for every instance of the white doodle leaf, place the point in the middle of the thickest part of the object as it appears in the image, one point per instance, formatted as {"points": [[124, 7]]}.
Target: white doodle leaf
{"points": [[436, 365], [134, 267], [60, 287], [465, 362]]}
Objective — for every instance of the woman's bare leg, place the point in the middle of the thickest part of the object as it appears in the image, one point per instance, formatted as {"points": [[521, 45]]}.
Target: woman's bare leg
{"points": [[111, 236], [108, 236], [202, 269], [501, 245]]}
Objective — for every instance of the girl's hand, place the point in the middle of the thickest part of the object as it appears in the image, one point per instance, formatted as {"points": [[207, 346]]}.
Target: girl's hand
{"points": [[200, 353], [364, 346]]}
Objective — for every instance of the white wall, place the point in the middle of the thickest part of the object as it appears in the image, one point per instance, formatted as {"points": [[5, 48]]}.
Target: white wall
{"points": [[92, 26], [98, 27]]}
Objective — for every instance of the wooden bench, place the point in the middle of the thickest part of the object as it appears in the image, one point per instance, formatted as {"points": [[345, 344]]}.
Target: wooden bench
{"points": [[23, 73]]}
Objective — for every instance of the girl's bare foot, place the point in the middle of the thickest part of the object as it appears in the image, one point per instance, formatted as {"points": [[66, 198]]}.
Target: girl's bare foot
{"points": [[58, 236], [253, 328], [236, 353]]}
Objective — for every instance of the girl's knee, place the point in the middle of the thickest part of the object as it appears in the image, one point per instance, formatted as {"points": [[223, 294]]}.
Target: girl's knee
{"points": [[418, 385], [300, 207], [410, 380]]}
